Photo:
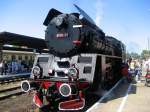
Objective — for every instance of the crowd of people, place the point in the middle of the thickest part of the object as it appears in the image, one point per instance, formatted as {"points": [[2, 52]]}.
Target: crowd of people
{"points": [[136, 68], [15, 66], [132, 68]]}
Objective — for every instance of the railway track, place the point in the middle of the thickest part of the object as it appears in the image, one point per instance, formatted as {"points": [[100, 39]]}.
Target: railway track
{"points": [[10, 85], [9, 92]]}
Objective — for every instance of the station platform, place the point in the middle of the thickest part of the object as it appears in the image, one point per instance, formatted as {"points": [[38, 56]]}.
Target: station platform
{"points": [[126, 97], [14, 76]]}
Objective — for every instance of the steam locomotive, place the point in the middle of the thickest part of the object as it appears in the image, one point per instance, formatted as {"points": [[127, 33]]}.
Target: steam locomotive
{"points": [[81, 59]]}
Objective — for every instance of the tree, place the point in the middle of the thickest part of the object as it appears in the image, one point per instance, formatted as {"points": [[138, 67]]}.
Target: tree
{"points": [[145, 54], [128, 55], [135, 55], [132, 55]]}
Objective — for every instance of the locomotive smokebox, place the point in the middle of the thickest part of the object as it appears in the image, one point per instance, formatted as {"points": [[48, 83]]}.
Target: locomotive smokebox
{"points": [[63, 34]]}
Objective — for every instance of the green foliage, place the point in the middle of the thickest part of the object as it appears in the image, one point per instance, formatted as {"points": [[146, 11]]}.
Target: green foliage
{"points": [[135, 55], [145, 54], [132, 55], [128, 55]]}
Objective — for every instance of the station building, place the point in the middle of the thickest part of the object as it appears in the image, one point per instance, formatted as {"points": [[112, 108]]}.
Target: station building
{"points": [[11, 53], [20, 47]]}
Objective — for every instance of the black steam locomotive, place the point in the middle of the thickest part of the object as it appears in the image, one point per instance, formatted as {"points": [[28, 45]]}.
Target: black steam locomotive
{"points": [[81, 58]]}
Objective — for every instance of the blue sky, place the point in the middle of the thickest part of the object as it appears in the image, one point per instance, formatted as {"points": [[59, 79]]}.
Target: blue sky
{"points": [[127, 20]]}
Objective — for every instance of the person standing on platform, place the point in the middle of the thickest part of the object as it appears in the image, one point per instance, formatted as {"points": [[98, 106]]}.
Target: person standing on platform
{"points": [[13, 66], [16, 66], [5, 67], [1, 67], [147, 66], [132, 68], [137, 70], [124, 71]]}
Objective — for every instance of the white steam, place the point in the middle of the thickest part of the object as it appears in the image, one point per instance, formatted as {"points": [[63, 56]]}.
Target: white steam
{"points": [[99, 12]]}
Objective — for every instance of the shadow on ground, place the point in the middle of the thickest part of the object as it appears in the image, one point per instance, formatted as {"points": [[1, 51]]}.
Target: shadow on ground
{"points": [[120, 91]]}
